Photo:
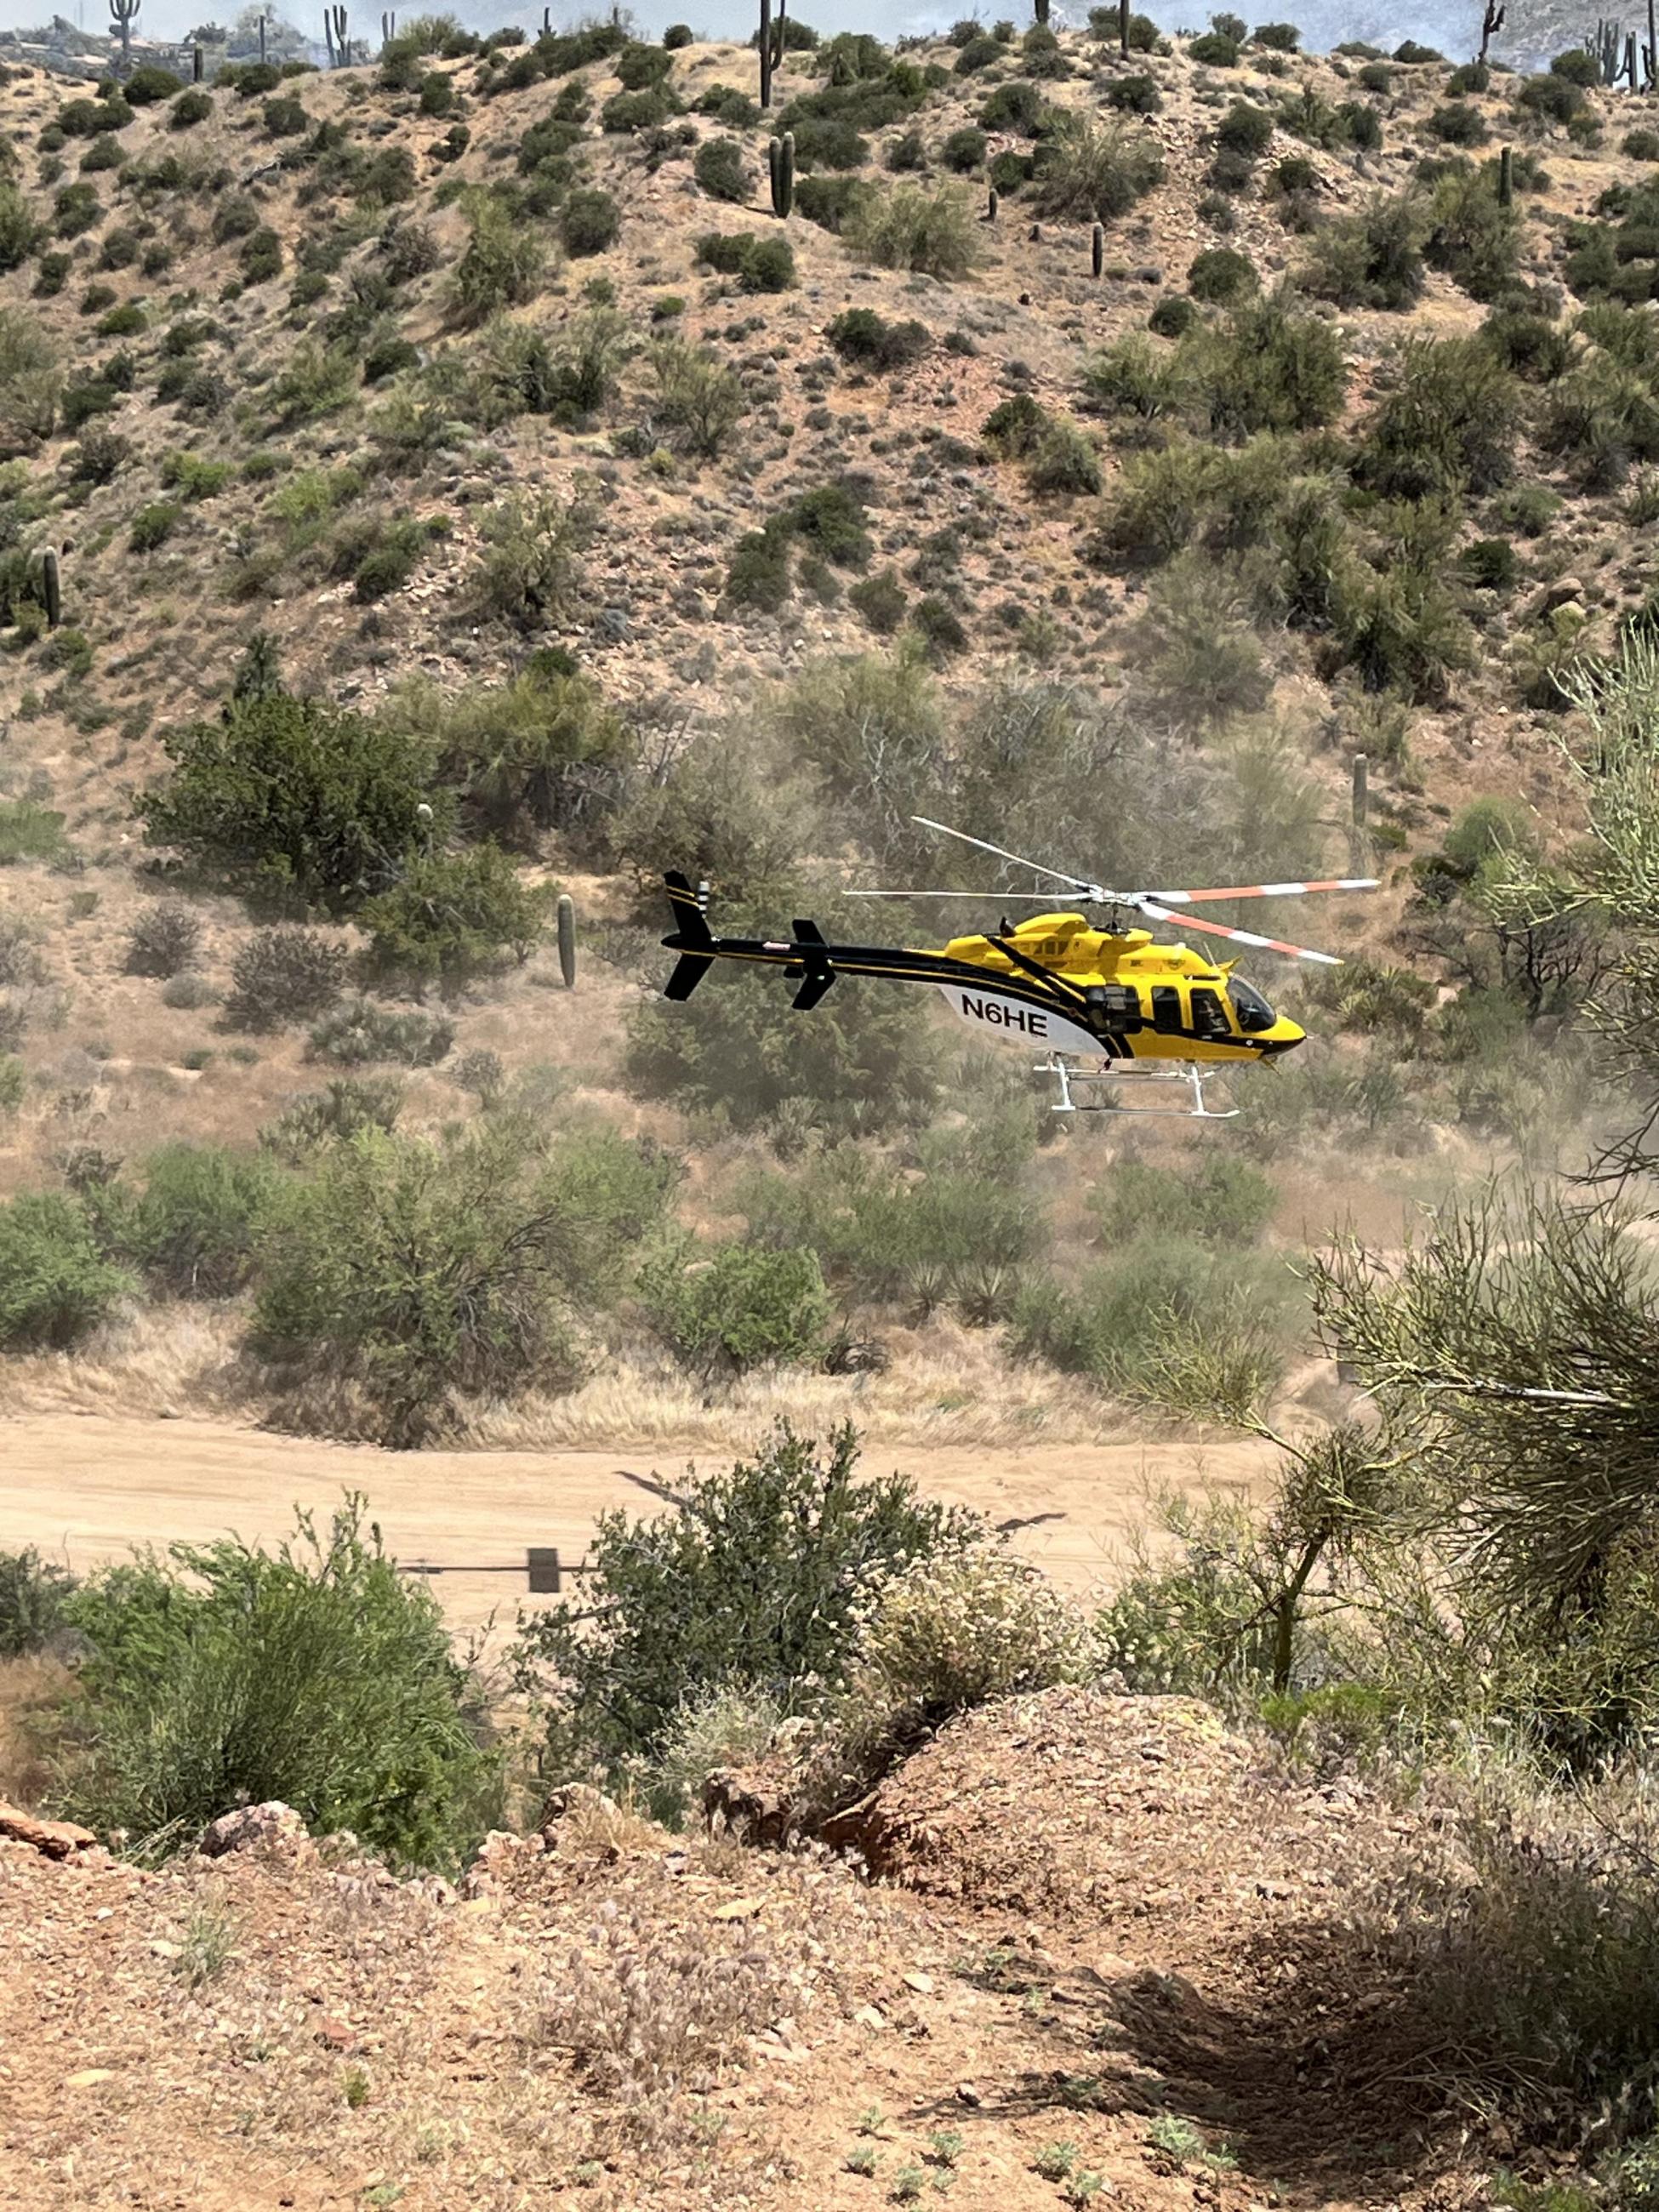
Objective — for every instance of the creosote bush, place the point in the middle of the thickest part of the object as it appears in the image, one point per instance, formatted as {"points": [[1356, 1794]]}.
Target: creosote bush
{"points": [[316, 1673], [413, 1269], [737, 1306], [796, 1530]]}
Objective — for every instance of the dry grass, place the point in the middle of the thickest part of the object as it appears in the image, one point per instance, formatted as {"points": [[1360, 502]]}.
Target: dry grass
{"points": [[947, 1385], [30, 1689]]}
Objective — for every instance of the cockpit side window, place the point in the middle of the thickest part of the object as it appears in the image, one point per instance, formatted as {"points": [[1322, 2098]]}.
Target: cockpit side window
{"points": [[1254, 1013], [1166, 1007], [1209, 1015]]}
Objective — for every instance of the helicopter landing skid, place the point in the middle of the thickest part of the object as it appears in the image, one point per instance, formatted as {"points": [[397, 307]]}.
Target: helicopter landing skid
{"points": [[1186, 1071]]}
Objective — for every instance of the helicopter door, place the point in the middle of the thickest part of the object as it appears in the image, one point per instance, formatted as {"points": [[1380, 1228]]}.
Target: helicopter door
{"points": [[1209, 1014]]}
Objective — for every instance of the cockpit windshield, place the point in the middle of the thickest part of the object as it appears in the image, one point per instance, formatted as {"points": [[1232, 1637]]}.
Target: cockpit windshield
{"points": [[1254, 1013]]}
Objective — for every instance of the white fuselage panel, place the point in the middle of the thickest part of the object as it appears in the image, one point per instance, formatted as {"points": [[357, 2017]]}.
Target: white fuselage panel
{"points": [[1013, 1022]]}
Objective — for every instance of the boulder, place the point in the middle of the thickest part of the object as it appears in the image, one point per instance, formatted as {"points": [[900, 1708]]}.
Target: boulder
{"points": [[53, 1839], [253, 1827]]}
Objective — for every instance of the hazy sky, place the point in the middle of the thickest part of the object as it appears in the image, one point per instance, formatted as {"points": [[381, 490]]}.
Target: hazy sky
{"points": [[1440, 22]]}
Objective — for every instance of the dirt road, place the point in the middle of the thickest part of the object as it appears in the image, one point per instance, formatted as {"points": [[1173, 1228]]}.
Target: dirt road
{"points": [[84, 1489]]}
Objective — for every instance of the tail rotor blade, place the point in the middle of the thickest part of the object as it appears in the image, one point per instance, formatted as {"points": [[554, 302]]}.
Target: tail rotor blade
{"points": [[1237, 936]]}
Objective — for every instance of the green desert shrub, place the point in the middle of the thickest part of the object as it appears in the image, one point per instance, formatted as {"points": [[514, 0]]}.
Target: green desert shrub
{"points": [[1450, 422], [1245, 130], [1220, 273], [1471, 236], [292, 798], [1096, 171], [531, 561], [163, 941], [360, 1034], [724, 1309], [590, 222], [415, 1269], [453, 915], [864, 338], [1373, 258], [33, 1595], [317, 1674], [930, 229], [1064, 460], [1226, 1202], [760, 263], [810, 1545], [55, 1283], [699, 396], [1222, 1323], [153, 525], [500, 265], [721, 171], [520, 757], [190, 1232]]}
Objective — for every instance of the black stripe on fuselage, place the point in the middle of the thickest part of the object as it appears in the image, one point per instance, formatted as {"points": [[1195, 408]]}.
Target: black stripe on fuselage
{"points": [[903, 965]]}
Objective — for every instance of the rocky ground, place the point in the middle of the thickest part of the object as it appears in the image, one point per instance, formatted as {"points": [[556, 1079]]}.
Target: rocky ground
{"points": [[1108, 1939]]}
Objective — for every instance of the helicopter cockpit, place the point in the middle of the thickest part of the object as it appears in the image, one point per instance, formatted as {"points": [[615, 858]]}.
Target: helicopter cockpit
{"points": [[1255, 1014]]}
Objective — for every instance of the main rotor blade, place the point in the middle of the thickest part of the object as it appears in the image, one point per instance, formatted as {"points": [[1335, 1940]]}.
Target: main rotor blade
{"points": [[1270, 891], [1007, 897], [1077, 883], [1238, 936]]}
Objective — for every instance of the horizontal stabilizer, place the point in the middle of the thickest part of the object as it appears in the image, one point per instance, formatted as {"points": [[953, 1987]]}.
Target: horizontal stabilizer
{"points": [[817, 982], [689, 971]]}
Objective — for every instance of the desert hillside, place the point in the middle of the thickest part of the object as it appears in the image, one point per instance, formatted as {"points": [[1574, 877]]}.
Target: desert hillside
{"points": [[1113, 1656]]}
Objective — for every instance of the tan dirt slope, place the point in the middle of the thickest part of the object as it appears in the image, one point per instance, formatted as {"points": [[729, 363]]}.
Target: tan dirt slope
{"points": [[356, 2041]]}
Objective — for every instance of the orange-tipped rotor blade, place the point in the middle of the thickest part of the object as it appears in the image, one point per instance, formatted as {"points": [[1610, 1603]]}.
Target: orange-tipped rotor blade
{"points": [[1238, 936], [1271, 891]]}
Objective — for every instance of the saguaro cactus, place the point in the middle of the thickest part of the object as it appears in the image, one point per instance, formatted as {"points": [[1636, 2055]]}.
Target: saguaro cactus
{"points": [[766, 53], [51, 588], [780, 162], [991, 205], [567, 942], [1492, 22], [1359, 812], [1123, 28], [335, 31], [262, 39], [1098, 249], [1651, 51], [1609, 44], [123, 14], [1039, 10], [1505, 178], [1630, 58], [388, 26], [196, 65]]}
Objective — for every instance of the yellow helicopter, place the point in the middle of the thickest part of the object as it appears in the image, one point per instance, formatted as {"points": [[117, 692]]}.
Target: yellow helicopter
{"points": [[1143, 1013]]}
